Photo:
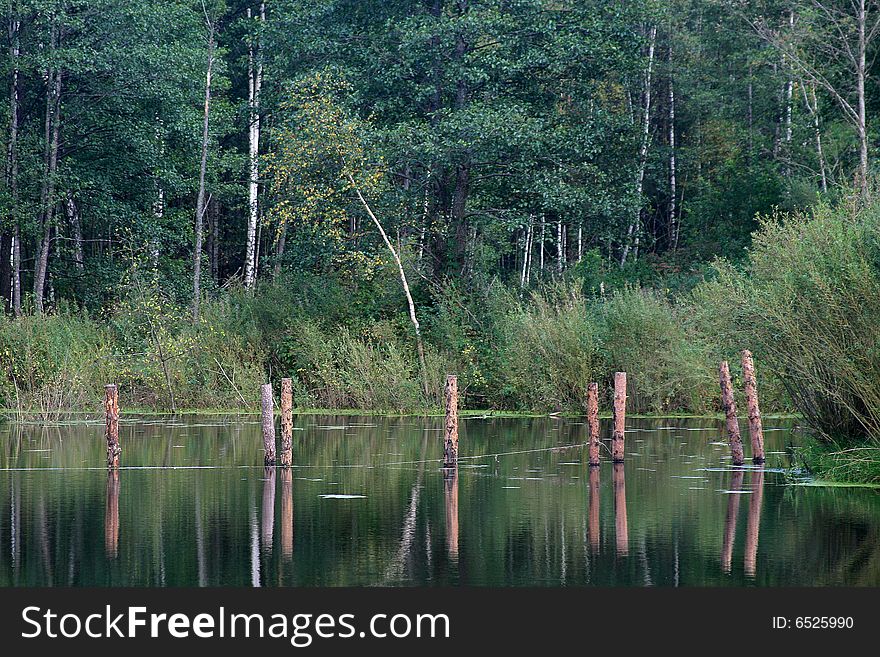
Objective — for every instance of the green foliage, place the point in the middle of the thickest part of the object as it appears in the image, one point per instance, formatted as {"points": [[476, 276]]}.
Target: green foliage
{"points": [[807, 303], [53, 365]]}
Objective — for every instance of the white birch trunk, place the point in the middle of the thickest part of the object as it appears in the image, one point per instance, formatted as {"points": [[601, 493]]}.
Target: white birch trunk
{"points": [[255, 81], [632, 235], [673, 191]]}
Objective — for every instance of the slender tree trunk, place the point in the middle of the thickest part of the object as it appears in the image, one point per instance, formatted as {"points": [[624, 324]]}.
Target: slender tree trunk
{"points": [[200, 201], [53, 120], [543, 237], [560, 248], [255, 81], [280, 243], [12, 163], [789, 87], [76, 227], [812, 105], [632, 234], [860, 88], [412, 306], [673, 191]]}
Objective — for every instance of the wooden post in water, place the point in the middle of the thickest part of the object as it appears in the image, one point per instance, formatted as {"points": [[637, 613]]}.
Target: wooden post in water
{"points": [[450, 434], [619, 417], [593, 421], [268, 424], [756, 430], [111, 412], [286, 423], [729, 405]]}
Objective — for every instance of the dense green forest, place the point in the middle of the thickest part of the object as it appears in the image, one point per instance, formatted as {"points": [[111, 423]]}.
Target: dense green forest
{"points": [[199, 196]]}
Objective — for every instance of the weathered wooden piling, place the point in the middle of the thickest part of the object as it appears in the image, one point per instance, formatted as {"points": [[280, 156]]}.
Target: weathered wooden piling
{"points": [[618, 481], [736, 481], [268, 423], [593, 422], [111, 515], [111, 413], [729, 405], [756, 430], [286, 423], [450, 434], [594, 509], [753, 525], [286, 513], [617, 444]]}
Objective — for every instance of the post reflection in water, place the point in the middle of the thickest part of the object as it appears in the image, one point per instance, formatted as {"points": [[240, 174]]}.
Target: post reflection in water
{"points": [[450, 493], [594, 508], [287, 513], [618, 480], [754, 522], [268, 516], [111, 515], [736, 482], [207, 513]]}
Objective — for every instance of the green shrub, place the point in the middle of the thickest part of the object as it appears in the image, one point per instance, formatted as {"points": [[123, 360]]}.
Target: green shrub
{"points": [[52, 365], [548, 351], [668, 366], [808, 304]]}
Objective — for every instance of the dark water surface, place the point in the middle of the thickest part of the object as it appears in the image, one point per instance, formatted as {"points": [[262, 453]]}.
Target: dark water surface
{"points": [[368, 504]]}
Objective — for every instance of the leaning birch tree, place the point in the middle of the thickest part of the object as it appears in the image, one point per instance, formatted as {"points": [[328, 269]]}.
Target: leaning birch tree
{"points": [[318, 165]]}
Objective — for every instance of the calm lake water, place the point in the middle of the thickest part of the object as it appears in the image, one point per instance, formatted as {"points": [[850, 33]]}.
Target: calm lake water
{"points": [[368, 504]]}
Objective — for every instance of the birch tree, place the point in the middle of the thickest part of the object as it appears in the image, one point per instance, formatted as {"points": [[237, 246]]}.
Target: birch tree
{"points": [[255, 82], [633, 233], [830, 48]]}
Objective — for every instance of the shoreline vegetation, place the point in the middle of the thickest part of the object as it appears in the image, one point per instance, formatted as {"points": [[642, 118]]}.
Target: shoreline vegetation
{"points": [[806, 300]]}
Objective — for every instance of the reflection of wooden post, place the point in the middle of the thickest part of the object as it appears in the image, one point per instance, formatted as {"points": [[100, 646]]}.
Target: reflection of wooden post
{"points": [[594, 509], [736, 481], [593, 421], [450, 493], [756, 431], [111, 413], [619, 416], [286, 423], [111, 515], [729, 405], [286, 513], [620, 527], [450, 434], [268, 517], [268, 423], [754, 522]]}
